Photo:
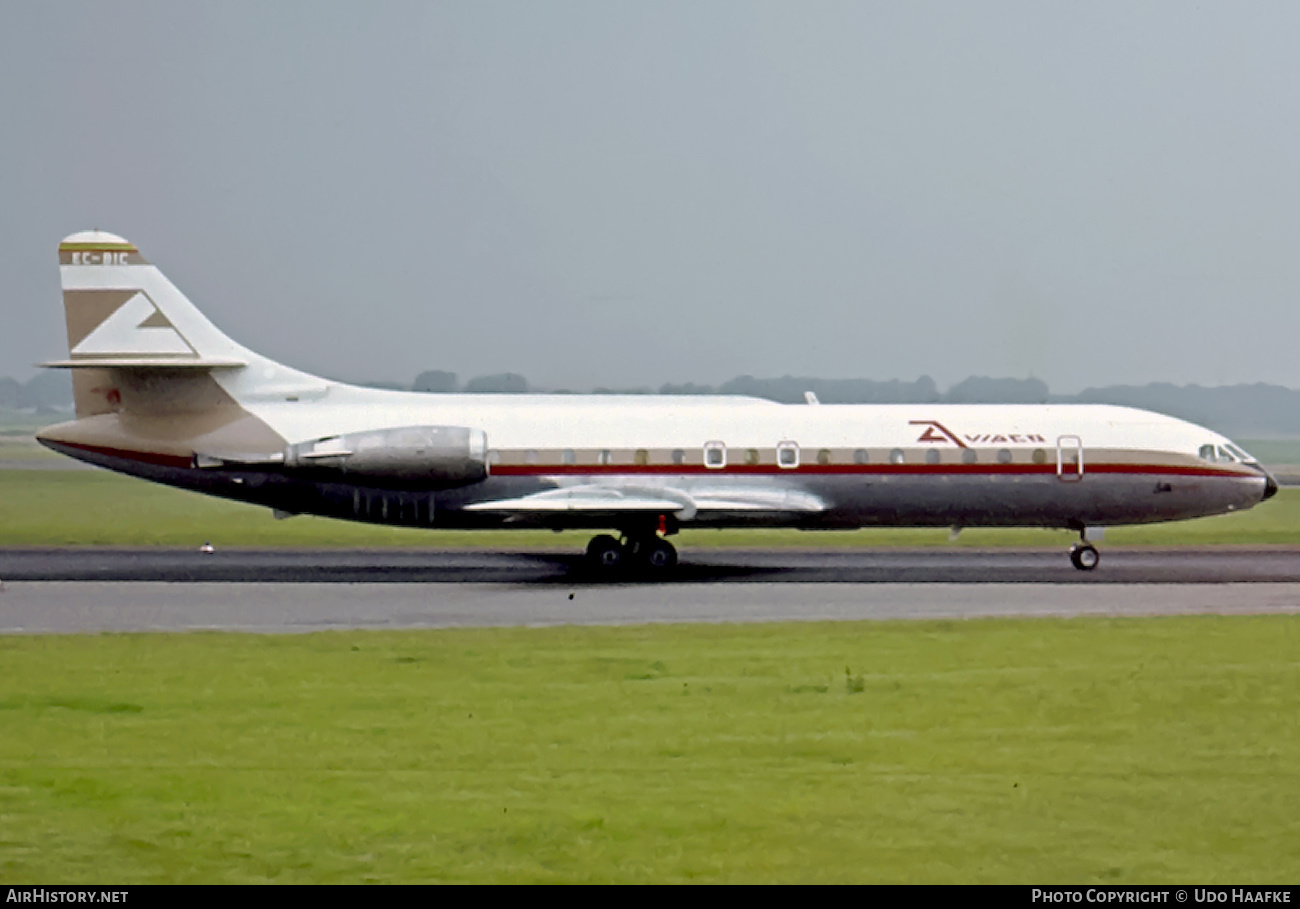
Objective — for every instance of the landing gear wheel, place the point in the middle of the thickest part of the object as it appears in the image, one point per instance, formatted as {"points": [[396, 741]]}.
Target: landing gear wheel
{"points": [[605, 553], [657, 555], [649, 555], [1084, 556]]}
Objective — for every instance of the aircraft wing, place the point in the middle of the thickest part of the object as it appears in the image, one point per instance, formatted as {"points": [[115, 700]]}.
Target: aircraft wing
{"points": [[685, 505]]}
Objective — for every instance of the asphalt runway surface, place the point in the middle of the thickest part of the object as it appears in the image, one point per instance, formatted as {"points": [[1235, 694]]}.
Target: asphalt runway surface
{"points": [[1220, 565], [277, 591]]}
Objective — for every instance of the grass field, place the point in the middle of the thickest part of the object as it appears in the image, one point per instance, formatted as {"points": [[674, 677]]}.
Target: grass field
{"points": [[1045, 751], [96, 508], [1072, 751]]}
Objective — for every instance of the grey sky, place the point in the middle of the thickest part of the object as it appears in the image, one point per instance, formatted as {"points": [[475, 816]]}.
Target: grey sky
{"points": [[632, 193]]}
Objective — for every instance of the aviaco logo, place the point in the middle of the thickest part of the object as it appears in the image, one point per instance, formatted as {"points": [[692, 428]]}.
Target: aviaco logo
{"points": [[937, 434]]}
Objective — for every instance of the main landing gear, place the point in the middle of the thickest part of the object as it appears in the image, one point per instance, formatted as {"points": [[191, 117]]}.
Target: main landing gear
{"points": [[649, 553], [1084, 556]]}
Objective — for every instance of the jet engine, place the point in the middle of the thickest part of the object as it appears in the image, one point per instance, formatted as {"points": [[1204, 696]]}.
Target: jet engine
{"points": [[430, 457]]}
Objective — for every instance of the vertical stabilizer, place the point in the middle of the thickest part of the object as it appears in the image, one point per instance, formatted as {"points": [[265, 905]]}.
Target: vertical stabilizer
{"points": [[123, 311], [123, 314], [147, 367]]}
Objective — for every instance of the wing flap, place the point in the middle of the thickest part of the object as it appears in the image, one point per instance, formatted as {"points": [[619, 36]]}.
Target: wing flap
{"points": [[607, 499], [761, 500], [582, 499]]}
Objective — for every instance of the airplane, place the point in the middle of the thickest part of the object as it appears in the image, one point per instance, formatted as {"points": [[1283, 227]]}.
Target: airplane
{"points": [[162, 394]]}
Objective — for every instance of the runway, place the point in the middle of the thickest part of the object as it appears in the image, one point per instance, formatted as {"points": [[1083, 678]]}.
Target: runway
{"points": [[79, 591], [1219, 565]]}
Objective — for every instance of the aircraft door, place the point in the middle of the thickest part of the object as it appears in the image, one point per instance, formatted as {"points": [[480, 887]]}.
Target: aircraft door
{"points": [[1069, 458]]}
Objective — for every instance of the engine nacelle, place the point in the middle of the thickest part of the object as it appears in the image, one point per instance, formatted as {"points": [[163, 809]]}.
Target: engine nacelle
{"points": [[430, 457]]}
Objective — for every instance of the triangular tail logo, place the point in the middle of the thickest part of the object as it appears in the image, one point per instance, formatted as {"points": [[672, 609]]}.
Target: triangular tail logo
{"points": [[135, 328]]}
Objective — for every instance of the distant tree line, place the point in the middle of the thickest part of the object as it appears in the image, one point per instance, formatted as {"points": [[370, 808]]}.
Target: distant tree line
{"points": [[1245, 411], [435, 380], [786, 389], [48, 391]]}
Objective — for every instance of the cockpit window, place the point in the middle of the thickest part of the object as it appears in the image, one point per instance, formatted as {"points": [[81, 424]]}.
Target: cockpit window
{"points": [[1223, 454]]}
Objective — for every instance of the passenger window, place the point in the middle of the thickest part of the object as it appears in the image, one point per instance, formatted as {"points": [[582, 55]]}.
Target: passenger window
{"points": [[787, 454], [1004, 456], [824, 456], [605, 456], [642, 457], [530, 456], [896, 456], [969, 456], [715, 455], [679, 456], [570, 456], [751, 456], [860, 456], [932, 456], [1040, 456]]}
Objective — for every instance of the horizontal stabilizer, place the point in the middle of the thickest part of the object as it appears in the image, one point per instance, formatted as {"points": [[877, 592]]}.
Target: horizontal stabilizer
{"points": [[144, 363]]}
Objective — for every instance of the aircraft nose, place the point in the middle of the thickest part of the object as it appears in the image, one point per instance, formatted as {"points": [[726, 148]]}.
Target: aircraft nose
{"points": [[1270, 486]]}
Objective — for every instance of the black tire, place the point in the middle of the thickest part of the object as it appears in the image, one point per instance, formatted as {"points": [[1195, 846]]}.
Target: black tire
{"points": [[648, 556], [1084, 556], [605, 553], [657, 555]]}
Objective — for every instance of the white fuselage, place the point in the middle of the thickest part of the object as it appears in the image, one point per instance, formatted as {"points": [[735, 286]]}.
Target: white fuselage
{"points": [[163, 394]]}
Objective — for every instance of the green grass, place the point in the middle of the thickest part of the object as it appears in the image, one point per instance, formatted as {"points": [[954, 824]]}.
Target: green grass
{"points": [[25, 448], [95, 508], [1067, 751]]}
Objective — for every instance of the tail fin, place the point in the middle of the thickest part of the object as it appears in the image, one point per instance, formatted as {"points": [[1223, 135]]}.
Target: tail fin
{"points": [[122, 312]]}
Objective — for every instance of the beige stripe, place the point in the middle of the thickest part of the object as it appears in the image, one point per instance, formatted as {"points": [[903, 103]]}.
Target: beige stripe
{"points": [[85, 310]]}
